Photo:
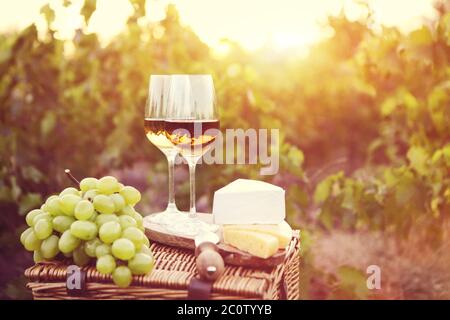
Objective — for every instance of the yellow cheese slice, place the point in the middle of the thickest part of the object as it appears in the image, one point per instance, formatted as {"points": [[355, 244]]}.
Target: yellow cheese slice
{"points": [[258, 244], [282, 231]]}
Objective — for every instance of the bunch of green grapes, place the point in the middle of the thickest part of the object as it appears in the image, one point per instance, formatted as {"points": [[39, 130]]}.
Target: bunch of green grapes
{"points": [[96, 224]]}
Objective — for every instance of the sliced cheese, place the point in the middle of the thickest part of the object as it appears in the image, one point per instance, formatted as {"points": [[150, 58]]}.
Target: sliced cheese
{"points": [[282, 231], [246, 201], [258, 244]]}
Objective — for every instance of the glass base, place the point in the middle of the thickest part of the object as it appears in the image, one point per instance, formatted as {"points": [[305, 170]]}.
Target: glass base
{"points": [[179, 223], [171, 208]]}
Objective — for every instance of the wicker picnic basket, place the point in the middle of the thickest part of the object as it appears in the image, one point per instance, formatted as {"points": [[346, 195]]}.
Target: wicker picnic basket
{"points": [[174, 270]]}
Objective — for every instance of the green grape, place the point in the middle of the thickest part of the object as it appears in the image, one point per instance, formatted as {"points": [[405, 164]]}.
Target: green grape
{"points": [[90, 194], [94, 216], [37, 256], [106, 264], [110, 231], [53, 206], [123, 249], [88, 184], [68, 203], [84, 210], [67, 243], [69, 190], [102, 249], [62, 223], [51, 198], [84, 230], [146, 250], [44, 208], [104, 204], [127, 221], [135, 235], [118, 200], [67, 254], [121, 185], [43, 229], [49, 247], [141, 264], [25, 234], [104, 218], [122, 276], [31, 215], [31, 242], [40, 216], [128, 210], [131, 195], [146, 241], [90, 247], [139, 220], [80, 257], [108, 185]]}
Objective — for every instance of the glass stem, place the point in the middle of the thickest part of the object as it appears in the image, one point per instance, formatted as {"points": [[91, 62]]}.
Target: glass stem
{"points": [[171, 206], [192, 210]]}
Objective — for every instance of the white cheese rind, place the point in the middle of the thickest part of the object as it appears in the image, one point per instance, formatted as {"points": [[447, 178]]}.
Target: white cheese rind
{"points": [[249, 202]]}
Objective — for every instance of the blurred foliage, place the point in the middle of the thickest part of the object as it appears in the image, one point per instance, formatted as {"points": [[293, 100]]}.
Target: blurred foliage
{"points": [[405, 179], [364, 119]]}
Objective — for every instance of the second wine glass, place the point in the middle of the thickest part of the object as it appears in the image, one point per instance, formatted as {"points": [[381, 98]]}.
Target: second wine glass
{"points": [[194, 125]]}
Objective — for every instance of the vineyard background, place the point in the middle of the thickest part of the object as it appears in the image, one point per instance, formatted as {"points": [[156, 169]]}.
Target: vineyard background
{"points": [[365, 131]]}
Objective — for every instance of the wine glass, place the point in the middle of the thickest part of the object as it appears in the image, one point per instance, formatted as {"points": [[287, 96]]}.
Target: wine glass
{"points": [[156, 112], [194, 123]]}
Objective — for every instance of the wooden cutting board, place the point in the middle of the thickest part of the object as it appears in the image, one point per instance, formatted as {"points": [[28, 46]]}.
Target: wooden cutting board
{"points": [[230, 255]]}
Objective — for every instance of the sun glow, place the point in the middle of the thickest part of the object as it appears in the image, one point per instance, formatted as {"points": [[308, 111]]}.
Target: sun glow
{"points": [[252, 23]]}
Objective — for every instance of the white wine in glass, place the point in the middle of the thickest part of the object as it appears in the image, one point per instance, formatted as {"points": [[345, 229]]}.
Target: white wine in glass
{"points": [[156, 112], [181, 118], [192, 138], [194, 124]]}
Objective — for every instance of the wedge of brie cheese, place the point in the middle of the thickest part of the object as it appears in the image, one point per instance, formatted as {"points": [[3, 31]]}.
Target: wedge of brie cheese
{"points": [[282, 231], [258, 244], [249, 202]]}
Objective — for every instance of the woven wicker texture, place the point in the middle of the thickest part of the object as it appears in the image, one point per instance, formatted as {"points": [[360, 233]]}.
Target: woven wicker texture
{"points": [[174, 268]]}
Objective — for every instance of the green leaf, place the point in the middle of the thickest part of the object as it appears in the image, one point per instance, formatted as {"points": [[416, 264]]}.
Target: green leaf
{"points": [[353, 281], [298, 195], [437, 98], [296, 156], [32, 174], [404, 192], [28, 202], [421, 37], [5, 194], [409, 100], [435, 202], [437, 155], [139, 7], [15, 188], [418, 158], [388, 106], [348, 201], [322, 191], [48, 13], [444, 25], [326, 217], [48, 123], [88, 9]]}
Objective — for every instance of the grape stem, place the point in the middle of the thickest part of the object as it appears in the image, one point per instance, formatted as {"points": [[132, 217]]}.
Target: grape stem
{"points": [[71, 177]]}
